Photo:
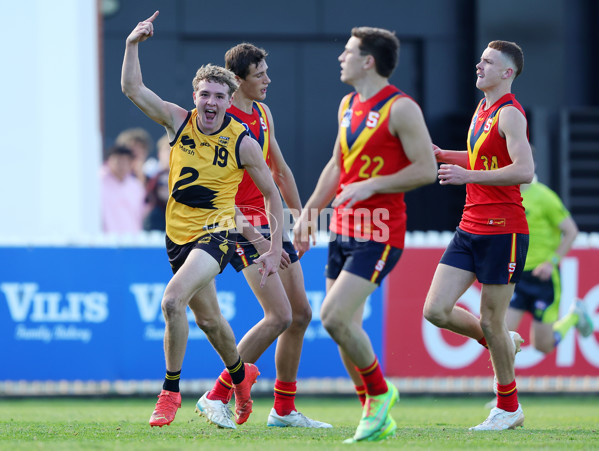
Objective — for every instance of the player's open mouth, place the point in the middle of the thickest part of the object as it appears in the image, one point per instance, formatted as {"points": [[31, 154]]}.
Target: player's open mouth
{"points": [[210, 114]]}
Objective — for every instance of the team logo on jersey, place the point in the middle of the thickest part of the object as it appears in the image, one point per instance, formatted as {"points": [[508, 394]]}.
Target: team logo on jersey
{"points": [[223, 140], [346, 118], [188, 142], [193, 195]]}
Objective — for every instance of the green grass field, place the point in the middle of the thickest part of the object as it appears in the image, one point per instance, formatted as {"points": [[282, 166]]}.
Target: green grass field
{"points": [[424, 423]]}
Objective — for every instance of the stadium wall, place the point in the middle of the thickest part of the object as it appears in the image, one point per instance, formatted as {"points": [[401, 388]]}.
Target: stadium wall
{"points": [[84, 318]]}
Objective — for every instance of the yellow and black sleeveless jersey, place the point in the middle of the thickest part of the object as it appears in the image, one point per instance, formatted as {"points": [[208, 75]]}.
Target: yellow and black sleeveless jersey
{"points": [[205, 172]]}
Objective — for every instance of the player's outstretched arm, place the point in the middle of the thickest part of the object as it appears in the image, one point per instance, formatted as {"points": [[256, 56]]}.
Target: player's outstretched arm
{"points": [[262, 245], [166, 114], [458, 157], [306, 226]]}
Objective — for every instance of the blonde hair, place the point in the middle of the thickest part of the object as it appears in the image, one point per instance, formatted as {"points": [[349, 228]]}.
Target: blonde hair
{"points": [[215, 74]]}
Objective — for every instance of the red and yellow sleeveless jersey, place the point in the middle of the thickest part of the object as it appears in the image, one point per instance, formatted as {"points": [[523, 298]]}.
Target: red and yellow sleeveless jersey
{"points": [[491, 210], [368, 150], [205, 171], [249, 199]]}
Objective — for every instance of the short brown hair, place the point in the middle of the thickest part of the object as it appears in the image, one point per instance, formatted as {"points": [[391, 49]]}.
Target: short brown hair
{"points": [[134, 135], [238, 59], [215, 74], [382, 44], [512, 51]]}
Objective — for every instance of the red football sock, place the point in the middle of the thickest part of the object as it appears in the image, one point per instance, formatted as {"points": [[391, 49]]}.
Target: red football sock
{"points": [[373, 379], [285, 397], [361, 392], [222, 389], [507, 397], [483, 342]]}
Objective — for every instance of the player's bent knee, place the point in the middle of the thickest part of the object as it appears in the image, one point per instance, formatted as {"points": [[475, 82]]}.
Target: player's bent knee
{"points": [[334, 326], [279, 319], [209, 325], [302, 318], [172, 307], [490, 327], [434, 314], [281, 324]]}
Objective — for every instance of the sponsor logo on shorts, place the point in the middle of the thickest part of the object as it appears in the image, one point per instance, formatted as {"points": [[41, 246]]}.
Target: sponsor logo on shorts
{"points": [[224, 247]]}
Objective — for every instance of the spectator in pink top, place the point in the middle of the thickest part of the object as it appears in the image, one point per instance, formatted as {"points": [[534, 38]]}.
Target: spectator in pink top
{"points": [[122, 194]]}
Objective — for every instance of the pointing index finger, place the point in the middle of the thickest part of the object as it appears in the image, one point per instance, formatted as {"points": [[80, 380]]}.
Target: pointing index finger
{"points": [[152, 17]]}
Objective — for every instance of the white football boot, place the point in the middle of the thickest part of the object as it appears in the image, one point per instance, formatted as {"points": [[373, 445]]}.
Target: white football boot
{"points": [[500, 420], [216, 412], [295, 420], [585, 323]]}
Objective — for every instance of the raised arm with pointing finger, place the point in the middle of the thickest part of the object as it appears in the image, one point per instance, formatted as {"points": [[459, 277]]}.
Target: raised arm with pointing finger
{"points": [[209, 153]]}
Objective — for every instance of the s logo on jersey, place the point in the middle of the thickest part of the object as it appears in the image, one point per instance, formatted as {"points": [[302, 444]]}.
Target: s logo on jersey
{"points": [[187, 141], [264, 127], [373, 119]]}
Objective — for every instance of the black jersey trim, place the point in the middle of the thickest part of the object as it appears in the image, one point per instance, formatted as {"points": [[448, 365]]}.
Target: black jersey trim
{"points": [[238, 145], [172, 143], [226, 121]]}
